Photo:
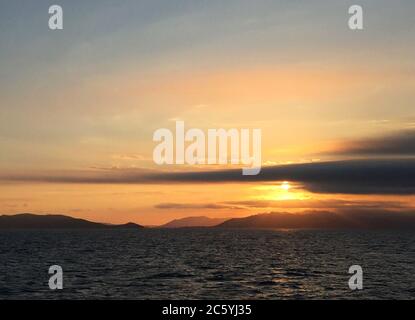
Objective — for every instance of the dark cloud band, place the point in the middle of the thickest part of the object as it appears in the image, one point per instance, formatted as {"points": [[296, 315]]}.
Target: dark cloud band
{"points": [[393, 176], [396, 144]]}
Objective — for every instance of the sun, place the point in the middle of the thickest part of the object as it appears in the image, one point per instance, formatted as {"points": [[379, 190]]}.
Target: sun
{"points": [[283, 190], [285, 186]]}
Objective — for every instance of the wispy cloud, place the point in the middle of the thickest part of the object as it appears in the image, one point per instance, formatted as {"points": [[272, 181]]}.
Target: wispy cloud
{"points": [[336, 204], [185, 206], [320, 204]]}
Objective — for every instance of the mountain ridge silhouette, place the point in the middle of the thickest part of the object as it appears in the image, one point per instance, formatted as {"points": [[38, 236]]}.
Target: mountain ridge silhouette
{"points": [[56, 221], [341, 219], [194, 221]]}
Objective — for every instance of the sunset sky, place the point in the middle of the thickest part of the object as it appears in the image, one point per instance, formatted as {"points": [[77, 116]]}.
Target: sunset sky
{"points": [[79, 106]]}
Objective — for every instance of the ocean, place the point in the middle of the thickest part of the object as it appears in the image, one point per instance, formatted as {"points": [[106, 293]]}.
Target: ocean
{"points": [[206, 263]]}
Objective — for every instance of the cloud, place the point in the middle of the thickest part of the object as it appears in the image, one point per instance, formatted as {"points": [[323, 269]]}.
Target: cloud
{"points": [[398, 143], [131, 157], [387, 176], [371, 176], [290, 204], [320, 204], [182, 206]]}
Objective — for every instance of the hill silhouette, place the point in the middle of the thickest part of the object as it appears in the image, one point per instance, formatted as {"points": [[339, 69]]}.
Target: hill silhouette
{"points": [[33, 221], [193, 222], [343, 219]]}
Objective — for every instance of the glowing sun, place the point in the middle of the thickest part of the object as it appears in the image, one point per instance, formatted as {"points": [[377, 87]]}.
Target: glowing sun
{"points": [[285, 186]]}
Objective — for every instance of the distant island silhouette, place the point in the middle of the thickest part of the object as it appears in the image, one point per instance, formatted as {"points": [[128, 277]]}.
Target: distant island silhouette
{"points": [[343, 219], [55, 221], [188, 222]]}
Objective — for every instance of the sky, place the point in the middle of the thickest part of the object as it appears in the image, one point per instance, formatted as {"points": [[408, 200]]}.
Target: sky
{"points": [[79, 106]]}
